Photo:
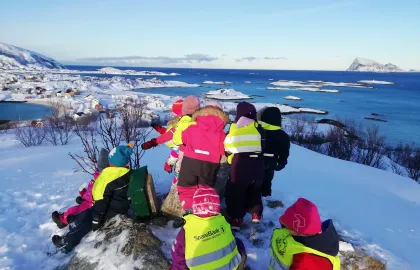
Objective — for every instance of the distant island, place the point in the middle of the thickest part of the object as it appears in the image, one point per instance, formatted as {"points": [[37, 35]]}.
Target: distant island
{"points": [[367, 65]]}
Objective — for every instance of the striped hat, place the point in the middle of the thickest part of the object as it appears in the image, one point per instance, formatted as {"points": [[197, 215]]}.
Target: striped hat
{"points": [[206, 202], [177, 107]]}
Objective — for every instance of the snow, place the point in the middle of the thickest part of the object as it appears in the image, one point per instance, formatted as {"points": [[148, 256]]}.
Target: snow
{"points": [[292, 98], [211, 82], [363, 64], [286, 85], [373, 210], [375, 82], [226, 94], [115, 71], [346, 247], [285, 109], [12, 57], [278, 88]]}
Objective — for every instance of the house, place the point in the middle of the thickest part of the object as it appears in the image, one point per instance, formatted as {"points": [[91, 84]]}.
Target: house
{"points": [[94, 102], [89, 97], [59, 93], [99, 107]]}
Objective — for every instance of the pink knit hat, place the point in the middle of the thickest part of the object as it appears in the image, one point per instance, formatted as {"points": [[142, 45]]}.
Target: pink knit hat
{"points": [[190, 105], [214, 104], [302, 217], [206, 202]]}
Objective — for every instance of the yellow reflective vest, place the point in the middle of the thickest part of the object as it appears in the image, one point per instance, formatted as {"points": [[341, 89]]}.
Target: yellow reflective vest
{"points": [[266, 126], [170, 143], [183, 124], [210, 244], [246, 139], [107, 176], [283, 247]]}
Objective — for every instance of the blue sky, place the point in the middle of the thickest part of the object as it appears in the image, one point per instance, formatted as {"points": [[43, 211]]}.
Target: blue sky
{"points": [[272, 34]]}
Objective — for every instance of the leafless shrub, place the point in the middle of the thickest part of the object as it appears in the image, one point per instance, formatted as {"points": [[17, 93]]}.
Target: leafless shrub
{"points": [[371, 148], [296, 129], [342, 143], [29, 135], [109, 131], [407, 156], [5, 126], [59, 129], [87, 135]]}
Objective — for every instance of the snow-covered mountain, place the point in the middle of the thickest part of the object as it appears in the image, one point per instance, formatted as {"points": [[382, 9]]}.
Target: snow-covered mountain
{"points": [[363, 64], [12, 57]]}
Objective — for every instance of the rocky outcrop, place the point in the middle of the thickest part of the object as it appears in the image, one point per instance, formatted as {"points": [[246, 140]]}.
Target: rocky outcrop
{"points": [[362, 64], [120, 237]]}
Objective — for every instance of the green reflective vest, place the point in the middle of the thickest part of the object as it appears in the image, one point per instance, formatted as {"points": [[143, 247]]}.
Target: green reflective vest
{"points": [[210, 244], [283, 247], [268, 126], [183, 124], [107, 176], [245, 139]]}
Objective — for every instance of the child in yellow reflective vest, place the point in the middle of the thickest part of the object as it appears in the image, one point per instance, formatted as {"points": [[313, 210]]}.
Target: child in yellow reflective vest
{"points": [[206, 240], [304, 242]]}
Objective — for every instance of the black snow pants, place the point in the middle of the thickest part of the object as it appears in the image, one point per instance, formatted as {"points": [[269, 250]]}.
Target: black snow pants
{"points": [[266, 185], [80, 227]]}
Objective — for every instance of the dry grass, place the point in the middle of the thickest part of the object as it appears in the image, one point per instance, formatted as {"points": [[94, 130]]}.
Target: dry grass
{"points": [[358, 261]]}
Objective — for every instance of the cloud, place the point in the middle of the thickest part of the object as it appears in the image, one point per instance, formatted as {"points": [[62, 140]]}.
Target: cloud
{"points": [[186, 59], [253, 58]]}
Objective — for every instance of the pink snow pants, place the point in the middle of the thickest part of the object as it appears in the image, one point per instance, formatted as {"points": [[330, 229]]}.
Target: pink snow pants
{"points": [[74, 210]]}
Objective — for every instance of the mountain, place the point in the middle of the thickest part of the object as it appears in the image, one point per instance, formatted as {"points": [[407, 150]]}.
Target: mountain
{"points": [[362, 64], [12, 57]]}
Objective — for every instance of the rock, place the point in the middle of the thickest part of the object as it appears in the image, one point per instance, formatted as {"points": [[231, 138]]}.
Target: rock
{"points": [[376, 119], [120, 238], [274, 204], [359, 261]]}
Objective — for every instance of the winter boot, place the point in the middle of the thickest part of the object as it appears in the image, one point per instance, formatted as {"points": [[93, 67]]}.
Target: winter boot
{"points": [[59, 219], [236, 223], [79, 200], [58, 241], [256, 218]]}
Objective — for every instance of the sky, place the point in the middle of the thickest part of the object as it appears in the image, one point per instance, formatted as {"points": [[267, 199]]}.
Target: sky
{"points": [[264, 34]]}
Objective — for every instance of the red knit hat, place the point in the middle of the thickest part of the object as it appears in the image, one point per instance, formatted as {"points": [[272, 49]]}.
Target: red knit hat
{"points": [[177, 107], [206, 202], [302, 217]]}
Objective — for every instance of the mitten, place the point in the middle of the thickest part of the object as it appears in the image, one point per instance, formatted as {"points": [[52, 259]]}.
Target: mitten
{"points": [[82, 192], [279, 167], [79, 200], [168, 168], [150, 144]]}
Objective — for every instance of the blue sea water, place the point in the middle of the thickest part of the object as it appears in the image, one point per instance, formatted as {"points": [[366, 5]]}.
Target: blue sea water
{"points": [[398, 103], [23, 111]]}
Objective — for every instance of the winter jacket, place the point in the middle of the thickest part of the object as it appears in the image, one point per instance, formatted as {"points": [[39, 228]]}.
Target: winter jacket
{"points": [[110, 193], [277, 143], [326, 244], [182, 125], [87, 195], [204, 140], [178, 252]]}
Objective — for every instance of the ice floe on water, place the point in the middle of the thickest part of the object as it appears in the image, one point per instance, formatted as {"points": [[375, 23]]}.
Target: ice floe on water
{"points": [[310, 89], [226, 94], [220, 83], [375, 82], [116, 71], [278, 88], [292, 98], [285, 109], [316, 84]]}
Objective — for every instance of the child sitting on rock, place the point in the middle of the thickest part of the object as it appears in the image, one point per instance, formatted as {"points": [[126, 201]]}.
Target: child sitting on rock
{"points": [[304, 242], [206, 240], [85, 199], [203, 149], [166, 137]]}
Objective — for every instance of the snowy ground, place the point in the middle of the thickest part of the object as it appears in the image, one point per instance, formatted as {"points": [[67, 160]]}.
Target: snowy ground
{"points": [[226, 94], [375, 210]]}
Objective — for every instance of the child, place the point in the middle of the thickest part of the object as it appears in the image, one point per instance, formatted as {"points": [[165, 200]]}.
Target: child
{"points": [[243, 190], [277, 145], [303, 242], [110, 195], [206, 240], [85, 200], [190, 105], [203, 150], [166, 137]]}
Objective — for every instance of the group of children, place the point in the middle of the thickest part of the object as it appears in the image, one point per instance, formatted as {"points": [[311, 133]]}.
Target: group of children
{"points": [[256, 147]]}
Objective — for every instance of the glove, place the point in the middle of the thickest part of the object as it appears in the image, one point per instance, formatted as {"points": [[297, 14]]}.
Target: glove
{"points": [[279, 167], [150, 144], [159, 129], [96, 224], [168, 168]]}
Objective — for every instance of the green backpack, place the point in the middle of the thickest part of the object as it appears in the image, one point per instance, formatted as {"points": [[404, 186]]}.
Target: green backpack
{"points": [[141, 192]]}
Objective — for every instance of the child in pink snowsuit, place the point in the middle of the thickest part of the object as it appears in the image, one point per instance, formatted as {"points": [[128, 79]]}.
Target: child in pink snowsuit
{"points": [[85, 201]]}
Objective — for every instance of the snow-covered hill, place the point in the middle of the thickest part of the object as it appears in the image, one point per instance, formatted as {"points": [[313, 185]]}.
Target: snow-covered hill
{"points": [[363, 64], [15, 58]]}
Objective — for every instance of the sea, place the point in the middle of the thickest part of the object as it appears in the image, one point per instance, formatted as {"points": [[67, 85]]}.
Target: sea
{"points": [[397, 103]]}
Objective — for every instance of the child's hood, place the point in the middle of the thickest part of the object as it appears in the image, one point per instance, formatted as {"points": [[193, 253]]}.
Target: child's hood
{"points": [[326, 242], [210, 118]]}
